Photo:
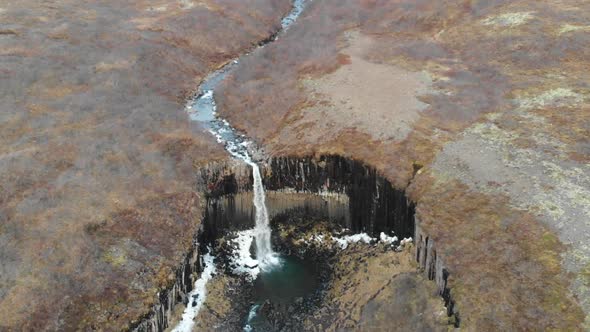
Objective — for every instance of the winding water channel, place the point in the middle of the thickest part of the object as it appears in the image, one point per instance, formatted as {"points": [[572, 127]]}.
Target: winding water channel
{"points": [[204, 110]]}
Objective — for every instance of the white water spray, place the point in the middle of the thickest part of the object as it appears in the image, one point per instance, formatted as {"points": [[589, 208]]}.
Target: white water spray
{"points": [[203, 109], [267, 258]]}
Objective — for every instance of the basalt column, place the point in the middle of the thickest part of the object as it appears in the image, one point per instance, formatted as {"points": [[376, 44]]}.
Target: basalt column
{"points": [[375, 205]]}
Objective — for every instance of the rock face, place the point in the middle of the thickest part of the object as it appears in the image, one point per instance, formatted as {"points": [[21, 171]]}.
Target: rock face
{"points": [[371, 204], [368, 202], [435, 269], [491, 142], [375, 205], [98, 196], [161, 312]]}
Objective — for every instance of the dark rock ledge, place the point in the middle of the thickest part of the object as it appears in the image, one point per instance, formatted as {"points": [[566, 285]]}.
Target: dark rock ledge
{"points": [[373, 204]]}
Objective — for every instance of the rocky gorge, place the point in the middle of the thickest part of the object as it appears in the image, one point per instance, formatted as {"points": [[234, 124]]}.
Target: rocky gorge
{"points": [[462, 125], [310, 197]]}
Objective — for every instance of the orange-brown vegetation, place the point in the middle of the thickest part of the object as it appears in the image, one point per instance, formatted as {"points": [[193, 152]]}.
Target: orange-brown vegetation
{"points": [[507, 77], [98, 199]]}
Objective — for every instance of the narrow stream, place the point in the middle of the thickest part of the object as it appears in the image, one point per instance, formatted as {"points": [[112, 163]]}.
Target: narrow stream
{"points": [[204, 110], [197, 295]]}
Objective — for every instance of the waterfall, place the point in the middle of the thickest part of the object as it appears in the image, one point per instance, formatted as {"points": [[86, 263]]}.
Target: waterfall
{"points": [[264, 253], [202, 109]]}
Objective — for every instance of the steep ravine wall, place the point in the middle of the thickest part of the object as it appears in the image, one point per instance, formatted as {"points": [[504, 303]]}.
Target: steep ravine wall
{"points": [[334, 187], [374, 204], [434, 268], [160, 314]]}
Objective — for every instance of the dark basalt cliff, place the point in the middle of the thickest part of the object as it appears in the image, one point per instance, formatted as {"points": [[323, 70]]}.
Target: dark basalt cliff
{"points": [[160, 314], [340, 189], [375, 205]]}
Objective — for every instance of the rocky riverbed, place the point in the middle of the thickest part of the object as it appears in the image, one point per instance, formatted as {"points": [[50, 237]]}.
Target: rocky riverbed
{"points": [[362, 284]]}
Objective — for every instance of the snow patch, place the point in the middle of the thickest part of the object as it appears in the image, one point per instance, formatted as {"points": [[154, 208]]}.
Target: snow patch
{"points": [[197, 295], [403, 243], [344, 241], [241, 260], [387, 239]]}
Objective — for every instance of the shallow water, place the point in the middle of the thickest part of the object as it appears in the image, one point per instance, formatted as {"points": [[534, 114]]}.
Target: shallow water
{"points": [[203, 109], [294, 280]]}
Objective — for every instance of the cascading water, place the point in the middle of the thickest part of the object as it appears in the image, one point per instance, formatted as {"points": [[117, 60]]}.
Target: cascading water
{"points": [[264, 252], [203, 109]]}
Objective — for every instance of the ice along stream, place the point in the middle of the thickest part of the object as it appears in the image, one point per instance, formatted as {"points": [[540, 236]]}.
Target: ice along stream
{"points": [[204, 110]]}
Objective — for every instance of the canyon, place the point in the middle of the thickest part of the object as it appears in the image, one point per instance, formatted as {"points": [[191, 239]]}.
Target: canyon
{"points": [[462, 125]]}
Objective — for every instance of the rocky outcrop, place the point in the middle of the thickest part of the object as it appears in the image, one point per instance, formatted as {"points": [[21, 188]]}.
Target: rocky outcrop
{"points": [[160, 314], [434, 268], [341, 189]]}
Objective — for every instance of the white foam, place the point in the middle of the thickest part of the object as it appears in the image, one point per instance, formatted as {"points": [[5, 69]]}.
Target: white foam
{"points": [[262, 232], [197, 296], [387, 239], [251, 315], [241, 260], [208, 94]]}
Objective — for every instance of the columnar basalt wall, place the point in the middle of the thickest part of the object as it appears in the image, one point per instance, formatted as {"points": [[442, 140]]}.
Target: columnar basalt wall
{"points": [[340, 189], [228, 196], [236, 211], [160, 314], [434, 268], [375, 205], [372, 204], [214, 180]]}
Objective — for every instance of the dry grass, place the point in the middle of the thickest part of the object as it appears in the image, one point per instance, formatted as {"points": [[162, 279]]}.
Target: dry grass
{"points": [[512, 60], [98, 195]]}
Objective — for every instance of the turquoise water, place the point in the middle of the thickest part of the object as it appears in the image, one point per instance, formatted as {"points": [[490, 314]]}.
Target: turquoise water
{"points": [[291, 282]]}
